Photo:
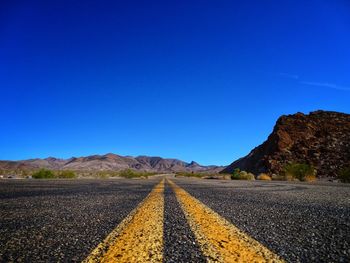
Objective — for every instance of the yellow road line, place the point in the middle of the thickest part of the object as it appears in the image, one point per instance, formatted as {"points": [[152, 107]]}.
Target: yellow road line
{"points": [[220, 241], [139, 237]]}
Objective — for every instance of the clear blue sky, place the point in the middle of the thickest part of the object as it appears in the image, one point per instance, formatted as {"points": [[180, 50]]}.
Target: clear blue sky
{"points": [[195, 80]]}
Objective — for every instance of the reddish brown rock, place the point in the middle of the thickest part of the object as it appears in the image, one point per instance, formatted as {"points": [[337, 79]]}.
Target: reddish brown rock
{"points": [[321, 139]]}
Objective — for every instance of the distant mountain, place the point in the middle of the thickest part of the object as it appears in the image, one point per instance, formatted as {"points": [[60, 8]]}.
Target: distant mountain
{"points": [[321, 139], [50, 162], [13, 165], [110, 161]]}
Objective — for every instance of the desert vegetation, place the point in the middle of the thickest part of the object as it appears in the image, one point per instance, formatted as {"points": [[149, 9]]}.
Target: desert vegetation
{"points": [[291, 172], [129, 173], [242, 175], [49, 174], [126, 173], [264, 177], [66, 174], [43, 174], [299, 171], [69, 174], [204, 175], [190, 174], [278, 177], [17, 172], [344, 175]]}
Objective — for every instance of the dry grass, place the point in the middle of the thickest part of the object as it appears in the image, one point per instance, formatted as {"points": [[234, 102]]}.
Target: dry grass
{"points": [[310, 178], [279, 177], [276, 177], [190, 174], [264, 177], [246, 176], [300, 171]]}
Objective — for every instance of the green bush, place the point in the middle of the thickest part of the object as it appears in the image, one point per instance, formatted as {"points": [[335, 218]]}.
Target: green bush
{"points": [[129, 173], [300, 171], [246, 176], [43, 174], [236, 174], [66, 174], [344, 175], [242, 175]]}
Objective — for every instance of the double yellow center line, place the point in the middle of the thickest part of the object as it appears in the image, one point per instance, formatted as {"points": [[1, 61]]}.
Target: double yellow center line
{"points": [[139, 237]]}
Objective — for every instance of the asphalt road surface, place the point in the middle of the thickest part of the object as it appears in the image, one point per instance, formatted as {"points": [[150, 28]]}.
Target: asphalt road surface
{"points": [[176, 220]]}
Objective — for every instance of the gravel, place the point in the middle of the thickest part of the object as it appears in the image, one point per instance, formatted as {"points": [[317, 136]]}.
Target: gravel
{"points": [[300, 222]]}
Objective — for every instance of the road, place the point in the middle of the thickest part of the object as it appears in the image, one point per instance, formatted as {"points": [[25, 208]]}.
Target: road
{"points": [[173, 220]]}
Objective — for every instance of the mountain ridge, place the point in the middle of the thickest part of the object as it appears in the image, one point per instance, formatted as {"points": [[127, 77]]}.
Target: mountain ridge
{"points": [[110, 161]]}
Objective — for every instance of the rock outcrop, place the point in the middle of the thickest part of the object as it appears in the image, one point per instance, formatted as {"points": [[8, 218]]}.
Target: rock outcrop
{"points": [[321, 139]]}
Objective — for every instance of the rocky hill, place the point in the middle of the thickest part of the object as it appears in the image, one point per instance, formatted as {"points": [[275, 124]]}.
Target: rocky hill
{"points": [[109, 161], [321, 138]]}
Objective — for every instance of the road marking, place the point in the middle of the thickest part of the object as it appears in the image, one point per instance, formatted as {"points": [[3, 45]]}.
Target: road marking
{"points": [[139, 237], [220, 241]]}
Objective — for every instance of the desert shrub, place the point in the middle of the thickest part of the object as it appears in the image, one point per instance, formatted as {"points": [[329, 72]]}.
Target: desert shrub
{"points": [[43, 174], [344, 175], [236, 174], [191, 174], [246, 176], [225, 176], [283, 177], [300, 171], [129, 173], [276, 177], [250, 176], [242, 175], [101, 174], [310, 178], [66, 174], [264, 177]]}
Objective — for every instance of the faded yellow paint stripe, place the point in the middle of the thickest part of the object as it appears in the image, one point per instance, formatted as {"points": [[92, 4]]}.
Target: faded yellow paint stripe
{"points": [[220, 241], [139, 237]]}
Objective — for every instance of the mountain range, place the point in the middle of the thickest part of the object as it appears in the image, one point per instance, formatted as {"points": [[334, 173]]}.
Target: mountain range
{"points": [[110, 161]]}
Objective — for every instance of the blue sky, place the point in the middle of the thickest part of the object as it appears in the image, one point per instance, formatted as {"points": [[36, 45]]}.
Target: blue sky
{"points": [[194, 80]]}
